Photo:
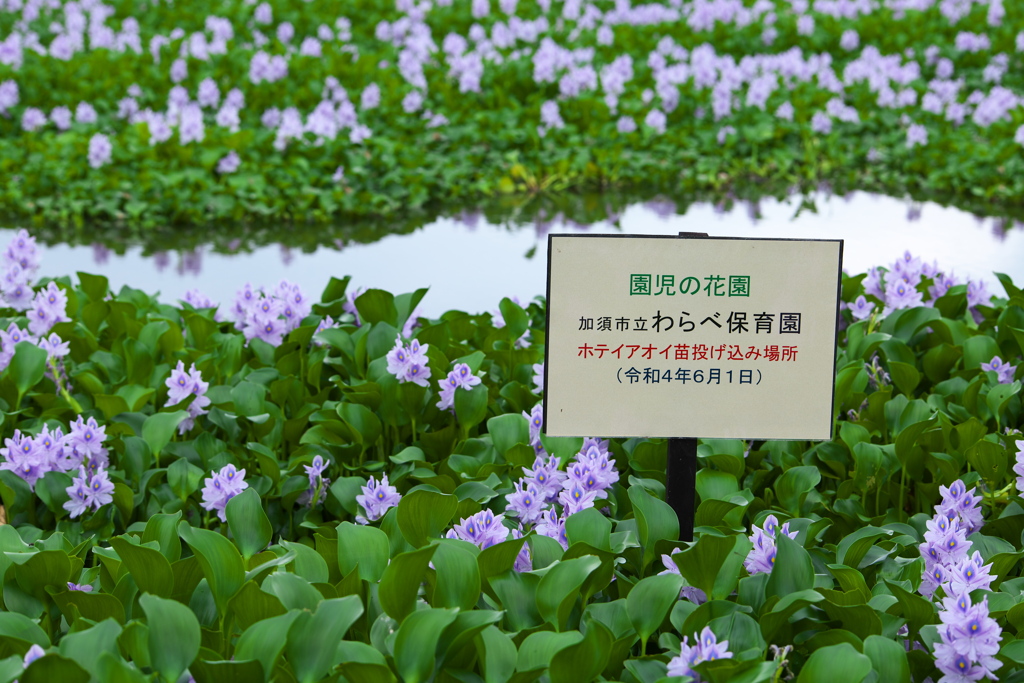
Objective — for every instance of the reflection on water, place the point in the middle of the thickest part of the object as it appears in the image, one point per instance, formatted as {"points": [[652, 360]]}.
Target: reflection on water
{"points": [[473, 259]]}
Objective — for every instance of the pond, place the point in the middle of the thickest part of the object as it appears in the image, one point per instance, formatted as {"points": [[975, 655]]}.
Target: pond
{"points": [[470, 263]]}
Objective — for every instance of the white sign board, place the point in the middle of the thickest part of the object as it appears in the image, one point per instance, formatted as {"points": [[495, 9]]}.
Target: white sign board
{"points": [[691, 337]]}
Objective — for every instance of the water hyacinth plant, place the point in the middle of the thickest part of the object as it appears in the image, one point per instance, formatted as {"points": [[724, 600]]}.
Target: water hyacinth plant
{"points": [[304, 505], [268, 110]]}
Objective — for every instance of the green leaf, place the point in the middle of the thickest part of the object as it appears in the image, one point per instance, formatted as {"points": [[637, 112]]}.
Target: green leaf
{"points": [[263, 641], [248, 523], [655, 521], [86, 647], [416, 643], [423, 515], [516, 320], [794, 485], [363, 422], [836, 664], [365, 547], [497, 655], [401, 581], [559, 588], [979, 349], [905, 376], [508, 430], [702, 563], [221, 564], [150, 569], [227, 671], [989, 459], [793, 571], [888, 659], [376, 306], [457, 579], [649, 602], [94, 286], [853, 547], [158, 429], [591, 527], [471, 405], [174, 635], [27, 367], [53, 667], [585, 660], [312, 639]]}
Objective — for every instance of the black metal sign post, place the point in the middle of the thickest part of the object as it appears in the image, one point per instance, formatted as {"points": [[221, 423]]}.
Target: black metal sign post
{"points": [[681, 470]]}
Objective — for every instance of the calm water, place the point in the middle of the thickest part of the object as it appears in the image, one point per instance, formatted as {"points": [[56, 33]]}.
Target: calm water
{"points": [[471, 265]]}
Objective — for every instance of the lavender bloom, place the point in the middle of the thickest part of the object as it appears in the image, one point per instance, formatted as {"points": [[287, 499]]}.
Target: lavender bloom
{"points": [[969, 638], [536, 418], [376, 499], [32, 119], [221, 487], [916, 135], [409, 363], [977, 293], [483, 529], [34, 653], [229, 163], [861, 308], [61, 117], [627, 124], [370, 97], [553, 526], [525, 503], [538, 378], [656, 121], [850, 40], [100, 150], [180, 386], [318, 484], [785, 111], [88, 491], [550, 117], [179, 70], [724, 132], [969, 575], [84, 588], [574, 497], [86, 438], [705, 648], [821, 123], [1018, 467], [545, 477], [1004, 371], [761, 558]]}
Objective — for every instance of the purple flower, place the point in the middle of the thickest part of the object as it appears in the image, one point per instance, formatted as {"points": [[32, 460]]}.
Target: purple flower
{"points": [[316, 493], [32, 119], [483, 529], [86, 438], [86, 588], [969, 639], [916, 135], [538, 378], [574, 497], [1004, 371], [706, 648], [409, 363], [221, 487], [525, 503], [656, 121], [821, 123], [1018, 467], [536, 418], [100, 150], [376, 499], [34, 653], [553, 526], [861, 308], [761, 558], [977, 293], [228, 163], [180, 386], [545, 477]]}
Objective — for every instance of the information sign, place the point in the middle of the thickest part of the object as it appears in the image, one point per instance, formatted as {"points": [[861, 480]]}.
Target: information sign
{"points": [[652, 336]]}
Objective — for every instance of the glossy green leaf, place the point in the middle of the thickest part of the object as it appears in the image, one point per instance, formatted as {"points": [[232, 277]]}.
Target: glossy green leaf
{"points": [[53, 667], [837, 664], [265, 641], [649, 603], [174, 635], [150, 569], [365, 547], [559, 588], [401, 580], [457, 577], [221, 564], [312, 638], [655, 521], [27, 366], [416, 643], [248, 522], [888, 659], [159, 428], [793, 571], [424, 515]]}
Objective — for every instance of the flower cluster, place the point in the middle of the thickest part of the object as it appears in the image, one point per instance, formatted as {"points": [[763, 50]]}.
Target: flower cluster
{"points": [[483, 529], [259, 315], [969, 640], [1018, 467], [221, 487], [316, 492], [945, 547], [409, 363], [1004, 371], [180, 386], [461, 377], [546, 496], [905, 285], [31, 457], [376, 499], [89, 489], [20, 261], [761, 558], [705, 649]]}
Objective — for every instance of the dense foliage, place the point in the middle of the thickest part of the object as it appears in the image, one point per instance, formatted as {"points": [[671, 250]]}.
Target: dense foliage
{"points": [[187, 112], [281, 489]]}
